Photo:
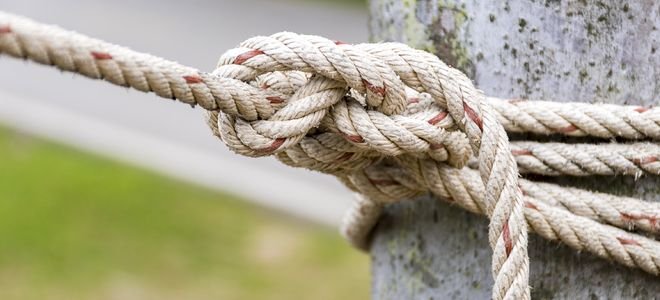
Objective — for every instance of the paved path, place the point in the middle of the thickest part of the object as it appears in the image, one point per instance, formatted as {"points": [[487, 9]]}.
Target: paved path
{"points": [[160, 134]]}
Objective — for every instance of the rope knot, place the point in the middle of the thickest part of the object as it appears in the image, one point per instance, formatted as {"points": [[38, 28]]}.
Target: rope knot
{"points": [[355, 106], [332, 107]]}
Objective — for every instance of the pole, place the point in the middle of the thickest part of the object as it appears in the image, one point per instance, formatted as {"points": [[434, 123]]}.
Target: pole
{"points": [[585, 51]]}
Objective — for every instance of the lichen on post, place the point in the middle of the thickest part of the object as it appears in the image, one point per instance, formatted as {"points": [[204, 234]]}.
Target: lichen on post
{"points": [[583, 51]]}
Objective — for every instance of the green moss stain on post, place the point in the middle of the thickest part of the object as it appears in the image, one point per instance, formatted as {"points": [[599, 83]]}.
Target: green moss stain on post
{"points": [[440, 34], [446, 31], [416, 31], [435, 26], [413, 257]]}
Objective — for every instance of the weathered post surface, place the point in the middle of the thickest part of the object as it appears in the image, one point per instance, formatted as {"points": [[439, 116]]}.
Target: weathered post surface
{"points": [[581, 50]]}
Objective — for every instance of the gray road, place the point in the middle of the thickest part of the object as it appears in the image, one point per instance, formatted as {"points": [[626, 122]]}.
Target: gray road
{"points": [[110, 120]]}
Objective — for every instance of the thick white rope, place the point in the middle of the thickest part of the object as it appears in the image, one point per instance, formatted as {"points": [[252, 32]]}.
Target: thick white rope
{"points": [[555, 159], [579, 119], [384, 119]]}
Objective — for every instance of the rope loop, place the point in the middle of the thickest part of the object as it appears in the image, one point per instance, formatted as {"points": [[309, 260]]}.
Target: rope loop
{"points": [[329, 88]]}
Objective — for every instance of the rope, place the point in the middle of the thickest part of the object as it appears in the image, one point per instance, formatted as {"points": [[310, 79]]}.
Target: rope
{"points": [[391, 122], [579, 119], [554, 159]]}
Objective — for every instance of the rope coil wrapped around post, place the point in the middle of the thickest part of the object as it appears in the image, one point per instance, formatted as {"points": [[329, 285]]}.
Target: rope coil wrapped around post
{"points": [[392, 122]]}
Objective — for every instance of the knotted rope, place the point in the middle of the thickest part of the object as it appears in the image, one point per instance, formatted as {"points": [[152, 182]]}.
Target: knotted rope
{"points": [[392, 122]]}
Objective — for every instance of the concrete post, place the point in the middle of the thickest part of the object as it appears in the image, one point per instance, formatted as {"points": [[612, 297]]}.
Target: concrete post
{"points": [[582, 50]]}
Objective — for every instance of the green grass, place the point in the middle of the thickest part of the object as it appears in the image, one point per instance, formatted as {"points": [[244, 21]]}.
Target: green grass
{"points": [[74, 226]]}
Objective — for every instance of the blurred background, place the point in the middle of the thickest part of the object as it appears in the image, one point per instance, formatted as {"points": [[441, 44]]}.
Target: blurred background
{"points": [[109, 193]]}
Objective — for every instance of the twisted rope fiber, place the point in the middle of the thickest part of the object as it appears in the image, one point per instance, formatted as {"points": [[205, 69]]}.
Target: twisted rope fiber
{"points": [[390, 122], [554, 159]]}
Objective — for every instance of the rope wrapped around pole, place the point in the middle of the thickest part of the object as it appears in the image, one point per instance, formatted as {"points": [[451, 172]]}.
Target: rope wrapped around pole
{"points": [[390, 122]]}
